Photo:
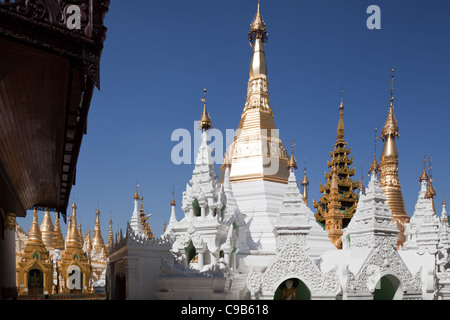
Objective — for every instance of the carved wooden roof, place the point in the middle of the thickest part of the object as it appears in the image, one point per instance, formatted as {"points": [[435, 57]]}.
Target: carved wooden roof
{"points": [[47, 76]]}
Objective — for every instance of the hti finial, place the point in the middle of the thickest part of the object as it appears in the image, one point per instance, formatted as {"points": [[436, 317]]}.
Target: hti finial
{"points": [[173, 203], [292, 163], [392, 86], [423, 176], [257, 28], [374, 167], [205, 121], [430, 168], [375, 143]]}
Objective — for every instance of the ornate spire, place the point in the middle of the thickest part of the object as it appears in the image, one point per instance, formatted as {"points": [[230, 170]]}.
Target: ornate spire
{"points": [[257, 38], [258, 29], [257, 152], [341, 162], [431, 192], [205, 121], [97, 240], [390, 129], [423, 176], [136, 194], [292, 163], [59, 240], [305, 184], [173, 203], [136, 223], [341, 128], [334, 216], [374, 167], [389, 180]]}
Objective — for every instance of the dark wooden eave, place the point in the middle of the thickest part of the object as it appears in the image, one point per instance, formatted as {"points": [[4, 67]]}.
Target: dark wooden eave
{"points": [[47, 77]]}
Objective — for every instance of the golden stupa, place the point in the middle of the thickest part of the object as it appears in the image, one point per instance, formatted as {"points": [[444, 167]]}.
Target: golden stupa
{"points": [[389, 180], [257, 152]]}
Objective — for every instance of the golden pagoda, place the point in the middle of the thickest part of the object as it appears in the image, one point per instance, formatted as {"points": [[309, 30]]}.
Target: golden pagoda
{"points": [[340, 162], [97, 240], [389, 180], [257, 153], [34, 269], [74, 266]]}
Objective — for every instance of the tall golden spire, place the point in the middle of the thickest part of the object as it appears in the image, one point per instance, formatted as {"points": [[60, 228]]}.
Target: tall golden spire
{"points": [[97, 240], [257, 152], [389, 180], [341, 162], [257, 38]]}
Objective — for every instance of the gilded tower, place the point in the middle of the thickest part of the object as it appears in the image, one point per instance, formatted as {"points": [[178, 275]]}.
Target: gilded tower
{"points": [[334, 216], [389, 180], [257, 153], [340, 162]]}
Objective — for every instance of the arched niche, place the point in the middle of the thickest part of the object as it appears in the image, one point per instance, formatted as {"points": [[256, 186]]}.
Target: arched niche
{"points": [[388, 288], [292, 289]]}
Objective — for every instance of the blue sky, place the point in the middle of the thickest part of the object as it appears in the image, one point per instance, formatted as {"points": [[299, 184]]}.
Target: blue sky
{"points": [[160, 54]]}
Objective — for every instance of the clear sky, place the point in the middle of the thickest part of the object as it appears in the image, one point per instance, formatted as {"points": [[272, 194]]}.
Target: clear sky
{"points": [[160, 54]]}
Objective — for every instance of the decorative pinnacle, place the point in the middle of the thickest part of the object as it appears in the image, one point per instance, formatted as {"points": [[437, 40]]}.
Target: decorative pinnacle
{"points": [[305, 181], [292, 163], [390, 127], [392, 86], [257, 28], [423, 176], [205, 121], [136, 195], [340, 129], [431, 192], [173, 203], [374, 167]]}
